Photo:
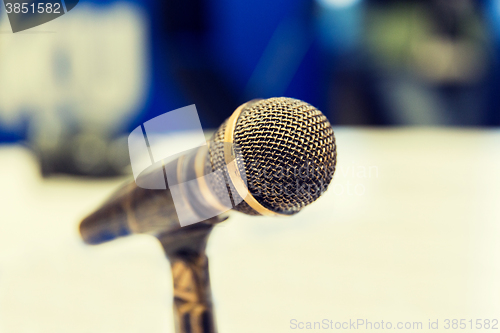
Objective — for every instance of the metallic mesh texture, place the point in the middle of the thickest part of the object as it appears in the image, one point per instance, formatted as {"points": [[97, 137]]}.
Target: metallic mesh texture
{"points": [[288, 152], [215, 162], [221, 185]]}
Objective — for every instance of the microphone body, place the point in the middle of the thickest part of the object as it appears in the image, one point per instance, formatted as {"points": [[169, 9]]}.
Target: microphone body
{"points": [[195, 191], [271, 158]]}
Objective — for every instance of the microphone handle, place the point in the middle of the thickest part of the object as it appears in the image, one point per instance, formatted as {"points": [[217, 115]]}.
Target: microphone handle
{"points": [[131, 209], [135, 210]]}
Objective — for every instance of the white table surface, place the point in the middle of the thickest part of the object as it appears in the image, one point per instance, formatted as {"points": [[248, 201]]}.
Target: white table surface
{"points": [[422, 242]]}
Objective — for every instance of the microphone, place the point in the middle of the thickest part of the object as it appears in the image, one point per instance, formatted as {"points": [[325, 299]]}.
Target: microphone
{"points": [[272, 157]]}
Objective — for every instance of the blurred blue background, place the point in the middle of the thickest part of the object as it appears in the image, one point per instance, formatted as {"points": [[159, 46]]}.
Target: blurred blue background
{"points": [[107, 66]]}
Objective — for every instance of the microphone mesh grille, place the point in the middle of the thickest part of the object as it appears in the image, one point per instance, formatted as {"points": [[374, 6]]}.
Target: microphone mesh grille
{"points": [[288, 152]]}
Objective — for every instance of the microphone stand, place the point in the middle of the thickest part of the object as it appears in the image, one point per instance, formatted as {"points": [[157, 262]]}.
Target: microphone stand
{"points": [[134, 210], [185, 249]]}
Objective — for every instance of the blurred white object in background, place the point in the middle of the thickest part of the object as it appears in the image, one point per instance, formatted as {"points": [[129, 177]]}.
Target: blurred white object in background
{"points": [[88, 67]]}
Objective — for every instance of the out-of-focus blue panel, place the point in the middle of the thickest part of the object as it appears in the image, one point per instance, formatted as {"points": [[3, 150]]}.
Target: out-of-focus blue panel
{"points": [[265, 41]]}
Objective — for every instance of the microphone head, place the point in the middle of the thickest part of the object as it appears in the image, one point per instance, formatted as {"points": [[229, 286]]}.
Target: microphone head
{"points": [[286, 150]]}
